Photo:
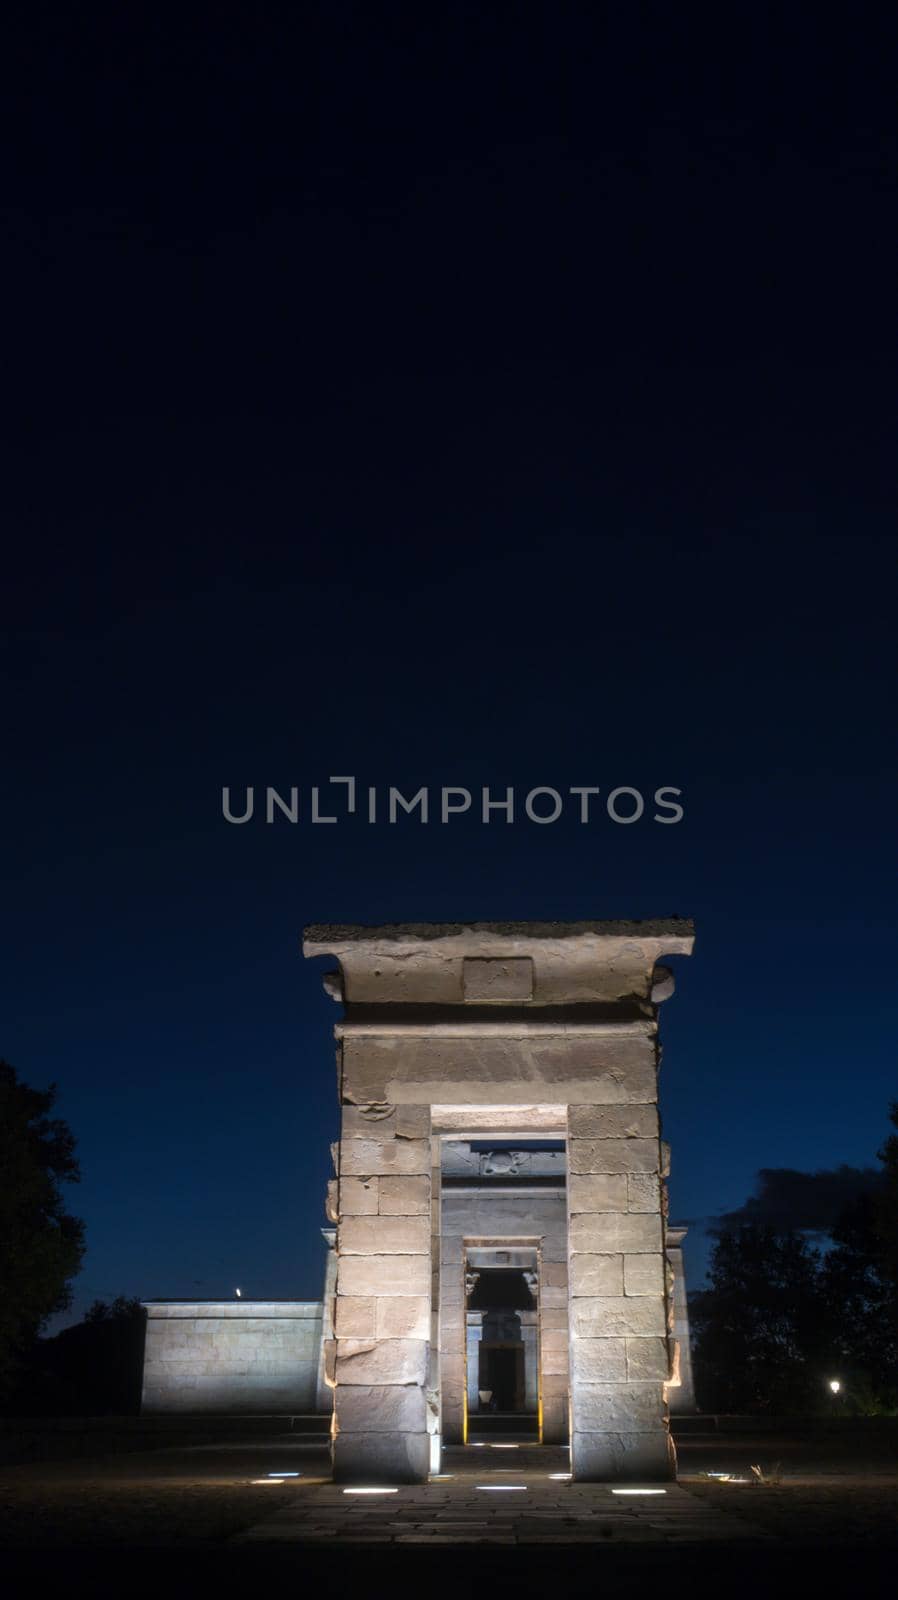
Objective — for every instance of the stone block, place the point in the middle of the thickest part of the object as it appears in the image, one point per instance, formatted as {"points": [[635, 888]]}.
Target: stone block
{"points": [[402, 1317], [384, 1275], [381, 1408], [371, 1361], [413, 1122], [368, 1157], [617, 1407], [404, 1197], [647, 1359], [611, 1316], [368, 1122], [644, 1192], [381, 1235], [554, 1247], [553, 1318], [555, 1362], [358, 1197], [599, 1192], [553, 1275], [611, 1232], [637, 1458], [599, 1360], [594, 1274], [381, 1457], [614, 1155], [553, 1298], [613, 1122], [354, 1316], [644, 1274]]}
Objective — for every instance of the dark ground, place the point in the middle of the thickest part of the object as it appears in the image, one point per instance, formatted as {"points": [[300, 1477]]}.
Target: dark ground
{"points": [[166, 1516]]}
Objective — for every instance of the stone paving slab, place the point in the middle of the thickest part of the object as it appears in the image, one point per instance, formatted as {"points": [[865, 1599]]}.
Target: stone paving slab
{"points": [[537, 1510]]}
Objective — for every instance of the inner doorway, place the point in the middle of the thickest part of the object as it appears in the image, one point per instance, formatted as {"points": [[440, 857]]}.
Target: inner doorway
{"points": [[501, 1345]]}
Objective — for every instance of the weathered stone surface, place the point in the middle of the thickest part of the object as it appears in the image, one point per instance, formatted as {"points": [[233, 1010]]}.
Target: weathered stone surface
{"points": [[612, 1232], [402, 1317], [358, 1196], [413, 1122], [369, 1156], [554, 1275], [644, 1274], [613, 1066], [492, 978], [381, 1408], [354, 1316], [598, 1192], [404, 1197], [362, 1236], [599, 1360], [618, 1407], [647, 1359], [638, 1458], [613, 1122], [591, 1275], [332, 1201], [644, 1193], [555, 1361], [381, 1457], [368, 1122], [384, 1275], [553, 1318], [608, 1316], [371, 1361], [614, 1155]]}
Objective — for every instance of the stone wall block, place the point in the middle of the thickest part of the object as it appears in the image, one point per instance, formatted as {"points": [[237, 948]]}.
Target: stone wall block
{"points": [[610, 1316], [354, 1316], [404, 1197], [381, 1408], [358, 1196], [383, 1235], [647, 1359], [369, 1157], [402, 1317], [599, 1360], [614, 1155], [613, 1122], [629, 1457], [620, 1407], [384, 1275], [370, 1361], [644, 1274], [387, 1457], [599, 1192], [608, 1233], [643, 1193], [597, 1274]]}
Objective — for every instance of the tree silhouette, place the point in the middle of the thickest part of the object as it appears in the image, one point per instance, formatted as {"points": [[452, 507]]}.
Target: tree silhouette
{"points": [[41, 1244]]}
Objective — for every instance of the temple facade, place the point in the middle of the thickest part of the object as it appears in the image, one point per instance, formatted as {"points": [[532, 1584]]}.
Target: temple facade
{"points": [[500, 1258]]}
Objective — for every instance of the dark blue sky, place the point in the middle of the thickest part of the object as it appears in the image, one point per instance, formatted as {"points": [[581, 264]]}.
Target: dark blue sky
{"points": [[508, 403]]}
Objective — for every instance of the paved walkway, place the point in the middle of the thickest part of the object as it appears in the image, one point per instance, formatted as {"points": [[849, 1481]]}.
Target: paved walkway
{"points": [[496, 1495]]}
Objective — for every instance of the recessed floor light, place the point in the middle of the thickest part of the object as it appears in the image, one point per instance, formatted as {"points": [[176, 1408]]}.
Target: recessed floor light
{"points": [[285, 1474], [639, 1491], [560, 1477], [502, 1488], [505, 1447], [370, 1491]]}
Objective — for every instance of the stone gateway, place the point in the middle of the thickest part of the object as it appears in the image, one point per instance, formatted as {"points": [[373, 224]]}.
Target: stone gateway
{"points": [[502, 1261]]}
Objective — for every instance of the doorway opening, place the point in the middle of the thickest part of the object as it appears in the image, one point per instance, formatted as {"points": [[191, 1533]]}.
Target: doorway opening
{"points": [[502, 1344]]}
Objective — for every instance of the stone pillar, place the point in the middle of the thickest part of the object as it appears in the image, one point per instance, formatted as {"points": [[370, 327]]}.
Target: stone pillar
{"points": [[553, 1351], [681, 1391], [618, 1308], [530, 1336], [383, 1304], [324, 1391], [452, 1338], [474, 1336]]}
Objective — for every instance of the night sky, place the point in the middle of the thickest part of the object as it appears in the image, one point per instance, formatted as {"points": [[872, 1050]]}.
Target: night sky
{"points": [[469, 395]]}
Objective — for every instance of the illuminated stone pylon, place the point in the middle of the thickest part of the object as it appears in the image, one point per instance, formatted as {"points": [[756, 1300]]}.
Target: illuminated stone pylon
{"points": [[513, 1030]]}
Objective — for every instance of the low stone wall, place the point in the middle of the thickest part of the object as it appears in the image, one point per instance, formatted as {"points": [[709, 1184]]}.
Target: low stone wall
{"points": [[232, 1356]]}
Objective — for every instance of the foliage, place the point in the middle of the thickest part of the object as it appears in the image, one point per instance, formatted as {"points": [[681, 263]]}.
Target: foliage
{"points": [[91, 1369], [780, 1317], [41, 1244]]}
